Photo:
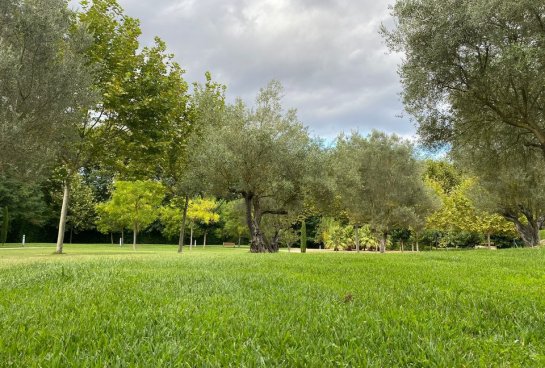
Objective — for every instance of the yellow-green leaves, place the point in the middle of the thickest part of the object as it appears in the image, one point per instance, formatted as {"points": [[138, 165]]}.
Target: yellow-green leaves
{"points": [[134, 204]]}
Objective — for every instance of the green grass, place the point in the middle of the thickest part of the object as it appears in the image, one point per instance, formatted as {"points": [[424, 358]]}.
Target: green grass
{"points": [[108, 306]]}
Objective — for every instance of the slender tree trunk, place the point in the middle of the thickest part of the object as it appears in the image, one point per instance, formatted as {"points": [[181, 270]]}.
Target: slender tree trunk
{"points": [[134, 236], [412, 247], [182, 228], [357, 237], [191, 238], [417, 249], [5, 225], [402, 246], [488, 240], [71, 233], [112, 237], [239, 241], [383, 241], [62, 220], [204, 240], [122, 236]]}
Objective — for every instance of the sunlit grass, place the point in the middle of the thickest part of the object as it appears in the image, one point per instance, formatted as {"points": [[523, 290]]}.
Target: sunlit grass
{"points": [[102, 305]]}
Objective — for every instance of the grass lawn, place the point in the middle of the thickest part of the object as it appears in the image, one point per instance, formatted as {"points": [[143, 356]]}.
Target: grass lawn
{"points": [[102, 305]]}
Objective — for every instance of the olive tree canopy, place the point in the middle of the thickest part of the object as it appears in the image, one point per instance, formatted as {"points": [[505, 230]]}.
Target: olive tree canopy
{"points": [[259, 155], [473, 68]]}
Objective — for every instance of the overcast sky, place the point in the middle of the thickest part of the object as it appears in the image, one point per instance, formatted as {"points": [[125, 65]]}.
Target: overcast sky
{"points": [[328, 54]]}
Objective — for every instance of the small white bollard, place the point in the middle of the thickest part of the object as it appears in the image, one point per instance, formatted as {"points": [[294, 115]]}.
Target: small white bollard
{"points": [[24, 240]]}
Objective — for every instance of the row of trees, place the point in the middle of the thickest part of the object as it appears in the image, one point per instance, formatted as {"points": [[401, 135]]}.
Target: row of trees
{"points": [[129, 139]]}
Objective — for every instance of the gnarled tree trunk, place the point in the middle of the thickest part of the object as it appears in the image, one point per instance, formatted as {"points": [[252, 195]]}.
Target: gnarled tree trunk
{"points": [[253, 220], [274, 244], [529, 231]]}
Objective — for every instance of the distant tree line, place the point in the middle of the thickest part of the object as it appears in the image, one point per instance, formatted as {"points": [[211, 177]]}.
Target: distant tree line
{"points": [[100, 134]]}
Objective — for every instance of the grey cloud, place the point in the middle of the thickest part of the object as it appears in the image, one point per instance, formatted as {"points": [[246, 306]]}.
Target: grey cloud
{"points": [[328, 54]]}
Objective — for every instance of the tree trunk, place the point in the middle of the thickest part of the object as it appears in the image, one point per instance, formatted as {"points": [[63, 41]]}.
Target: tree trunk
{"points": [[417, 249], [357, 237], [122, 236], [529, 232], [191, 238], [71, 233], [112, 237], [62, 220], [402, 246], [383, 241], [134, 236], [488, 240], [5, 225], [239, 241], [182, 228], [274, 246], [204, 240], [253, 219]]}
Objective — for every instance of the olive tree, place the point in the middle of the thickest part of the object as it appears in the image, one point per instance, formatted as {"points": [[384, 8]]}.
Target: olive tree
{"points": [[473, 68], [45, 83], [511, 183], [378, 182], [259, 155]]}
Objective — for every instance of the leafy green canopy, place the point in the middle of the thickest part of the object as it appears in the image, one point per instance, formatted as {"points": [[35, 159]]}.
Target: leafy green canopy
{"points": [[135, 204], [200, 211], [142, 112], [473, 68], [379, 181], [257, 154], [45, 83]]}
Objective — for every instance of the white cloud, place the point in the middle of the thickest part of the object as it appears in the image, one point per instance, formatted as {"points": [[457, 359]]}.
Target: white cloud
{"points": [[328, 54]]}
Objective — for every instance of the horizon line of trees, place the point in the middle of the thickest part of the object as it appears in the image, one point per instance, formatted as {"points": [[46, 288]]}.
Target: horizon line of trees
{"points": [[110, 135]]}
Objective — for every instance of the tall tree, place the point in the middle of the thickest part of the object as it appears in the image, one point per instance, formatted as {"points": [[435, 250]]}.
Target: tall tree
{"points": [[141, 106], [181, 176], [45, 85], [473, 68], [379, 182], [259, 155]]}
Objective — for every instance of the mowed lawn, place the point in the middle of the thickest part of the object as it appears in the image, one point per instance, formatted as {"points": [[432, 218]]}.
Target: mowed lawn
{"points": [[108, 306]]}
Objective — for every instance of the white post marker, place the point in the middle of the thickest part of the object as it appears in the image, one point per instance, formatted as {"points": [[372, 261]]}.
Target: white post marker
{"points": [[24, 240]]}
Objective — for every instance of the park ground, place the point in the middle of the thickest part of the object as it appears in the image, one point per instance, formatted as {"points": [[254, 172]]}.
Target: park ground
{"points": [[101, 305]]}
